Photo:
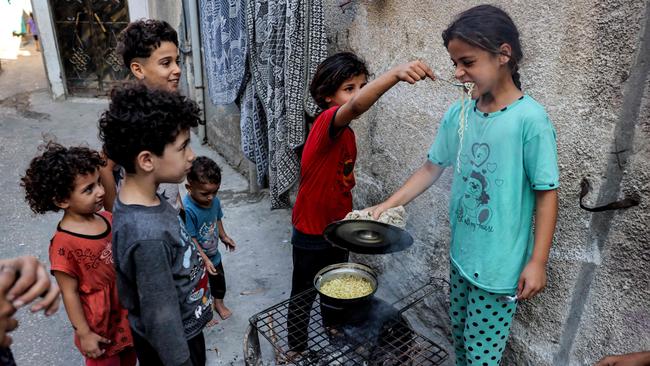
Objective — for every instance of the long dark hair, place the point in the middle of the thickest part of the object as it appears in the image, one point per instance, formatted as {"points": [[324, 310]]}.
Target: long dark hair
{"points": [[333, 72], [488, 27]]}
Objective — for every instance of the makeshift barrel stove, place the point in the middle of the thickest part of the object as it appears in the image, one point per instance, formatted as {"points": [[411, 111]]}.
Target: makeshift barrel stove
{"points": [[364, 330]]}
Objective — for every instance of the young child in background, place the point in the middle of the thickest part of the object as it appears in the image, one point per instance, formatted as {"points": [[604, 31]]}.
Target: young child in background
{"points": [[149, 48], [33, 29], [340, 87], [160, 275], [80, 252], [504, 155], [203, 216]]}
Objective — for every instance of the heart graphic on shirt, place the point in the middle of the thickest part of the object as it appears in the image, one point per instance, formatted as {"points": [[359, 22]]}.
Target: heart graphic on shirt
{"points": [[499, 182], [480, 152], [492, 167]]}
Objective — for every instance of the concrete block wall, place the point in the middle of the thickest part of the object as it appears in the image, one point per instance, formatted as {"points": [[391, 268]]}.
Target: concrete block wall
{"points": [[584, 61], [170, 11], [224, 133]]}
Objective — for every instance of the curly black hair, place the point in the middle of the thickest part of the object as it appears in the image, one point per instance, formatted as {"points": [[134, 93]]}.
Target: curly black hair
{"points": [[139, 119], [333, 72], [51, 175], [142, 37], [204, 170]]}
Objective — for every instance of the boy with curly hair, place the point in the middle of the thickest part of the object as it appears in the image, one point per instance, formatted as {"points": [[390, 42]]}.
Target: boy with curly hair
{"points": [[149, 48], [160, 275], [80, 252], [203, 216]]}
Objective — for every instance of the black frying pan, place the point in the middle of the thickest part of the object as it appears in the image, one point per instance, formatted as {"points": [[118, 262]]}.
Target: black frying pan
{"points": [[367, 236]]}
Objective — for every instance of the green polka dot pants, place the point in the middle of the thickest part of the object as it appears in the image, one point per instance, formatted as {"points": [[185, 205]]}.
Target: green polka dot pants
{"points": [[480, 324]]}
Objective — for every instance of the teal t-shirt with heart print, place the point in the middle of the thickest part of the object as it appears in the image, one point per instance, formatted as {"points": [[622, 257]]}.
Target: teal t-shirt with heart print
{"points": [[504, 157]]}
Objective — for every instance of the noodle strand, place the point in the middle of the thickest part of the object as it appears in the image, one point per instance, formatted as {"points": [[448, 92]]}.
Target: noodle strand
{"points": [[464, 114]]}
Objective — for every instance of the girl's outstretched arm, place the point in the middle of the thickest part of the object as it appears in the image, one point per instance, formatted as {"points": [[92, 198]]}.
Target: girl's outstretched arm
{"points": [[89, 341], [369, 94], [533, 278], [417, 183]]}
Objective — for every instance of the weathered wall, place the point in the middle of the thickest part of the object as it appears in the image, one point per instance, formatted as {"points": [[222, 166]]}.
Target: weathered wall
{"points": [[170, 11], [584, 62], [224, 134]]}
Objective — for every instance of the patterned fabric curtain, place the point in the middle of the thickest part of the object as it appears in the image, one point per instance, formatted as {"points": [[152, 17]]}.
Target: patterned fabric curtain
{"points": [[254, 132], [223, 31], [286, 41]]}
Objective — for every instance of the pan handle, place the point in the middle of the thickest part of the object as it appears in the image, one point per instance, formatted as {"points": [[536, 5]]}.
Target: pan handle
{"points": [[413, 303], [434, 286]]}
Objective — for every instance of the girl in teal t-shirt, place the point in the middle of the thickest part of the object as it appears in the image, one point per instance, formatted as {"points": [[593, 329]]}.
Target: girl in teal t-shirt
{"points": [[502, 147]]}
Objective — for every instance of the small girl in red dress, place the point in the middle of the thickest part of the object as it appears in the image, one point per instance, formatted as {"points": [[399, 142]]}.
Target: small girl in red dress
{"points": [[80, 252]]}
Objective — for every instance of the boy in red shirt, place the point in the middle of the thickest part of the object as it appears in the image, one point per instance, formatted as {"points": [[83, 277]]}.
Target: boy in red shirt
{"points": [[340, 87]]}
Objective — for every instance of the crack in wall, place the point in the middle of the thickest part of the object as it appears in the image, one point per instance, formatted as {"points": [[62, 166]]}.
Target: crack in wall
{"points": [[616, 164]]}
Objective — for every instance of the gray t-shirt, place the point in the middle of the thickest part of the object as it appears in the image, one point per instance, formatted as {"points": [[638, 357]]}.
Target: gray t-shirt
{"points": [[161, 278], [168, 191]]}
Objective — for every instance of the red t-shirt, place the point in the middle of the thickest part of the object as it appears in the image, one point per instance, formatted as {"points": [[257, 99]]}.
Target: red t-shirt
{"points": [[89, 259], [326, 176]]}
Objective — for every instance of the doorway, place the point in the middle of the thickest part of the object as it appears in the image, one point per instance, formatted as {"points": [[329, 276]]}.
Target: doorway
{"points": [[86, 33]]}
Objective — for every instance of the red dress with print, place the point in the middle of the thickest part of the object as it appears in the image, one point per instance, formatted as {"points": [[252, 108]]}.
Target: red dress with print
{"points": [[89, 259], [326, 176]]}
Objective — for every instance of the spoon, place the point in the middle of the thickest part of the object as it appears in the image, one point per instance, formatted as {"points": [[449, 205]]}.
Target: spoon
{"points": [[439, 77], [460, 85], [507, 299]]}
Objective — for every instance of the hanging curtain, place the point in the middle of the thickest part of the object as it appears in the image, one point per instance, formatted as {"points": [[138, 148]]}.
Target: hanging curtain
{"points": [[223, 29], [286, 41], [254, 135]]}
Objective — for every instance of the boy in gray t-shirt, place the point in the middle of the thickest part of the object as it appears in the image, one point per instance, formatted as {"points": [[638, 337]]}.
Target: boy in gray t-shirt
{"points": [[161, 278]]}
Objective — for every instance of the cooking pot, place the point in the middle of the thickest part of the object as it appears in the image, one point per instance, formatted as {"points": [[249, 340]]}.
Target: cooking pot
{"points": [[341, 269]]}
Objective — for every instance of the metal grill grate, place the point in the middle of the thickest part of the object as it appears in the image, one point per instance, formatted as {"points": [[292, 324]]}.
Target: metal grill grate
{"points": [[386, 339]]}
